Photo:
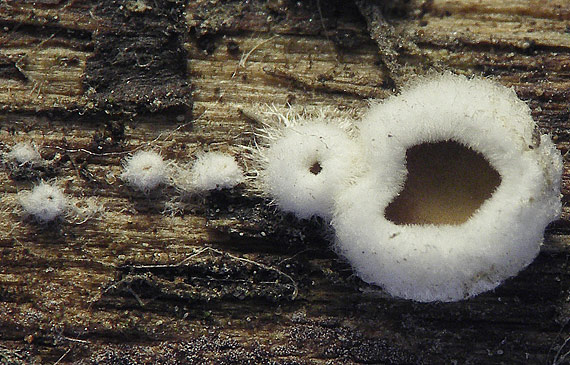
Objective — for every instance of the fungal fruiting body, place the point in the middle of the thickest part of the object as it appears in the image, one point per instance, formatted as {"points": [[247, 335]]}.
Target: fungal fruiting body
{"points": [[215, 171], [24, 153], [145, 170], [45, 202], [459, 191], [305, 162]]}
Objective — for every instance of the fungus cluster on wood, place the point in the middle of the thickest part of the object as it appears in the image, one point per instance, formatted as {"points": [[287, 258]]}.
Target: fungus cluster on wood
{"points": [[444, 192], [143, 170], [453, 192], [46, 202], [147, 170]]}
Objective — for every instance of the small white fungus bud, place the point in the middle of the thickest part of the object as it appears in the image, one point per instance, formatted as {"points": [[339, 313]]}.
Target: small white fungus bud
{"points": [[458, 193], [24, 153], [145, 170], [44, 202], [215, 170]]}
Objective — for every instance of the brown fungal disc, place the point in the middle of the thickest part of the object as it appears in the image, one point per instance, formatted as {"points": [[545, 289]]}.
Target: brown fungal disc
{"points": [[446, 183]]}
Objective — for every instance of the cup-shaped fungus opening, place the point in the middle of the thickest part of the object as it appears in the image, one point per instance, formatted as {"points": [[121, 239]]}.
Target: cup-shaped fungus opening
{"points": [[315, 168], [446, 183]]}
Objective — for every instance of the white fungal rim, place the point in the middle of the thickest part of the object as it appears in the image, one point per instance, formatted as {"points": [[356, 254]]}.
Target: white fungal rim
{"points": [[450, 262]]}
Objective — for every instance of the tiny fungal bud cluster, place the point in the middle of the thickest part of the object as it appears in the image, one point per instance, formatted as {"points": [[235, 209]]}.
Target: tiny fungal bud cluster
{"points": [[443, 194], [142, 170], [45, 202], [145, 171]]}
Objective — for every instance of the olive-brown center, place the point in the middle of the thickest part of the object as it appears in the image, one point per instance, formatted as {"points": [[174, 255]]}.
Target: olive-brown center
{"points": [[446, 183]]}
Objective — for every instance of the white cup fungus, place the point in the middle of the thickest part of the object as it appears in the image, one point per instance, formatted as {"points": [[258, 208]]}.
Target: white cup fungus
{"points": [[305, 162], [458, 193]]}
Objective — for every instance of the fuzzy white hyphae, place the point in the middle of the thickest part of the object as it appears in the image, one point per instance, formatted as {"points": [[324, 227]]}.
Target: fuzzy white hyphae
{"points": [[449, 261], [24, 153], [214, 171], [145, 170], [305, 161], [44, 202]]}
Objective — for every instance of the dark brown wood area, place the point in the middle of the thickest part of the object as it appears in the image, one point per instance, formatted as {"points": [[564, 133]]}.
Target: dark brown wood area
{"points": [[229, 279]]}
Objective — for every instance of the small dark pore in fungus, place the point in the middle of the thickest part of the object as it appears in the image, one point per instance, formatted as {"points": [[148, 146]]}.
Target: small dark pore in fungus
{"points": [[446, 183], [315, 168]]}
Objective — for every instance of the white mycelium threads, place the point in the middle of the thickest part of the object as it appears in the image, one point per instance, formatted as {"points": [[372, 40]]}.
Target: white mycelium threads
{"points": [[458, 193], [24, 153], [145, 171], [305, 160]]}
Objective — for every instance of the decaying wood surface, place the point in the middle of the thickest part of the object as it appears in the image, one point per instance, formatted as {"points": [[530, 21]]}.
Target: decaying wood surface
{"points": [[229, 279]]}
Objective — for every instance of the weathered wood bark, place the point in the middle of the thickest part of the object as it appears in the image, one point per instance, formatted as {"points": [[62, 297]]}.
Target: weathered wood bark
{"points": [[230, 279]]}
